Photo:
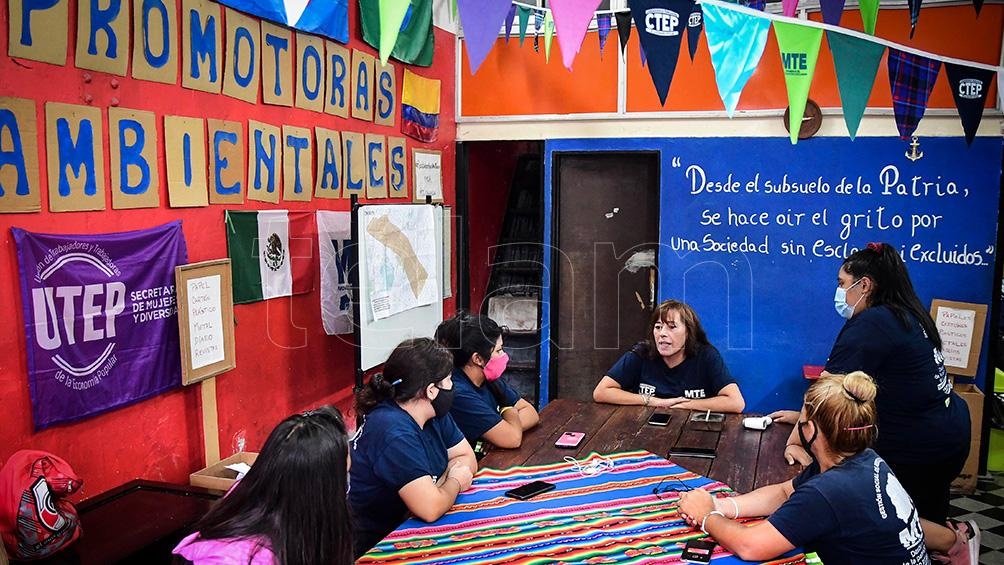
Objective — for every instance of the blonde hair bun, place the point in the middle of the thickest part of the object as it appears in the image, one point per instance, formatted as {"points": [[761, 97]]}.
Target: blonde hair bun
{"points": [[860, 386]]}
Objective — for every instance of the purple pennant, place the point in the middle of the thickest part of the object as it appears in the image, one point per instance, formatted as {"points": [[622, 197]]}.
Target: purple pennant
{"points": [[832, 11], [509, 19], [911, 78], [788, 7], [481, 20], [603, 24], [623, 28], [755, 4]]}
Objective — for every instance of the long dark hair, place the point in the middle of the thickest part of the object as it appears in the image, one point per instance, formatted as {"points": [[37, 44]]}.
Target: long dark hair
{"points": [[294, 495], [893, 288], [466, 334], [696, 337], [416, 363]]}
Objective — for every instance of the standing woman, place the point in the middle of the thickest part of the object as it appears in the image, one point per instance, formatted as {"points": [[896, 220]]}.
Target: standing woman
{"points": [[923, 425], [408, 456], [676, 367], [285, 510]]}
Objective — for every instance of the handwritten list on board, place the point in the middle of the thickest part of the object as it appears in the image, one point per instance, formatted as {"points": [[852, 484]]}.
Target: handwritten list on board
{"points": [[205, 321], [956, 329]]}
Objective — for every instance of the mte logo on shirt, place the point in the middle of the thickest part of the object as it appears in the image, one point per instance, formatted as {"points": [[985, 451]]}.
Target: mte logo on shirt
{"points": [[795, 63], [662, 22], [970, 88], [694, 393]]}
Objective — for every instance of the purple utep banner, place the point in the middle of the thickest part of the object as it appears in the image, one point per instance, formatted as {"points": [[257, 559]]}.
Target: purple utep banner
{"points": [[100, 319]]}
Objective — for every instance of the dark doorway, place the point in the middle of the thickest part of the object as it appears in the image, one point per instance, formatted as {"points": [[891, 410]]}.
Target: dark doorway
{"points": [[606, 238]]}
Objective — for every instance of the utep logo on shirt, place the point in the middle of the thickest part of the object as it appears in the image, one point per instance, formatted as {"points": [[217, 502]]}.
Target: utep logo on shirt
{"points": [[970, 88], [694, 393], [662, 22]]}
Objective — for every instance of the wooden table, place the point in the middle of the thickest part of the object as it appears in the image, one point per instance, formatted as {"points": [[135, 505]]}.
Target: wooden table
{"points": [[745, 459]]}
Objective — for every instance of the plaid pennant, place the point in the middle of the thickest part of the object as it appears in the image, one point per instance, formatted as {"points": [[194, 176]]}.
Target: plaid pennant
{"points": [[603, 24], [538, 24], [911, 78]]}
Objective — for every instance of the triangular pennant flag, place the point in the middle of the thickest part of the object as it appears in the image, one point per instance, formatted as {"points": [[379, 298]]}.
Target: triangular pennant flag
{"points": [[603, 25], [453, 9], [623, 28], [788, 7], [571, 19], [548, 34], [524, 19], [661, 24], [538, 25], [914, 14], [760, 5], [641, 53], [970, 87], [392, 14], [1000, 89], [832, 11], [695, 27], [481, 20], [978, 4], [856, 62], [414, 43], [869, 14], [509, 19], [736, 41], [911, 78], [799, 47]]}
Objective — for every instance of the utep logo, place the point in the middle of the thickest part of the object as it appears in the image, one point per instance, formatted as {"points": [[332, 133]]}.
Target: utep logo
{"points": [[274, 253], [695, 19], [45, 508], [694, 393], [970, 88], [663, 22]]}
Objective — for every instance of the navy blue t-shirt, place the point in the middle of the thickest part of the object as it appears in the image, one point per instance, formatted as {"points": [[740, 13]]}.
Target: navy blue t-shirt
{"points": [[475, 409], [389, 451], [855, 513], [919, 415], [701, 376]]}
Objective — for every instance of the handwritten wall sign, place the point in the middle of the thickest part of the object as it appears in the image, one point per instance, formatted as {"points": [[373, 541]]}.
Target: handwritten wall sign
{"points": [[205, 319], [428, 176], [960, 325]]}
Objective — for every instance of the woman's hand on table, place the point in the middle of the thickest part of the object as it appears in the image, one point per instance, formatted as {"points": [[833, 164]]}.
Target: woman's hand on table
{"points": [[666, 402], [695, 505], [784, 416], [463, 475], [796, 454]]}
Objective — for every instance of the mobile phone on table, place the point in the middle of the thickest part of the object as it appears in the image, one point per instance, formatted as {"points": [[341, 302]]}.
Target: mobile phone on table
{"points": [[712, 417], [683, 451], [570, 440], [659, 419], [697, 551], [529, 490]]}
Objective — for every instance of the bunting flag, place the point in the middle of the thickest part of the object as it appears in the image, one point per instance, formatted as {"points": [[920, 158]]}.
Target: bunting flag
{"points": [[832, 11], [760, 5], [603, 25], [524, 19], [856, 62], [334, 237], [1000, 89], [623, 29], [799, 47], [548, 34], [661, 24], [509, 19], [420, 107], [869, 14], [538, 24], [789, 7], [392, 14], [481, 20], [571, 19], [978, 4], [911, 78], [414, 36], [736, 41], [695, 27], [914, 15], [644, 57], [329, 18], [970, 87]]}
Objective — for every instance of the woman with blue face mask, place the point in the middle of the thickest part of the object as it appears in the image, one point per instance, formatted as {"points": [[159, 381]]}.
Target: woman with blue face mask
{"points": [[923, 425]]}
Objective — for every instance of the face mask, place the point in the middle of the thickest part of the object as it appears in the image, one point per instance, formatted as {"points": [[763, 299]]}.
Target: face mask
{"points": [[496, 366], [443, 401], [840, 301], [807, 443]]}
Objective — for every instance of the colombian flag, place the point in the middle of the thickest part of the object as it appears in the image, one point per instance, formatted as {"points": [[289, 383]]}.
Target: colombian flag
{"points": [[420, 107]]}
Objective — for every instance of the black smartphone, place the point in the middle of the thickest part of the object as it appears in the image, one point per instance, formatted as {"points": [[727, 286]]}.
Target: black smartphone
{"points": [[697, 551], [659, 419], [682, 451], [529, 490]]}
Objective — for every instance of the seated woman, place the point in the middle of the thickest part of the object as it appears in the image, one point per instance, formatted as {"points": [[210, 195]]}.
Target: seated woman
{"points": [[408, 455], [283, 511], [484, 405], [675, 368], [848, 506]]}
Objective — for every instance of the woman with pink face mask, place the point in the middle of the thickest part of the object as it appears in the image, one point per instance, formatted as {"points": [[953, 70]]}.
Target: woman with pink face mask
{"points": [[485, 407]]}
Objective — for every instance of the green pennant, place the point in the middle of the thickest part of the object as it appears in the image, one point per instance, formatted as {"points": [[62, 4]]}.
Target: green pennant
{"points": [[391, 17], [869, 14], [856, 61], [524, 20], [415, 43], [548, 34], [453, 9], [799, 46]]}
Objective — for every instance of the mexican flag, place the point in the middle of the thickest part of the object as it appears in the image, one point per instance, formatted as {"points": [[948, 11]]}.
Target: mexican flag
{"points": [[272, 253]]}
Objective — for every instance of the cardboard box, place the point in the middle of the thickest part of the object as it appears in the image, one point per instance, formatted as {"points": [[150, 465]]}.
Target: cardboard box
{"points": [[217, 476], [973, 396]]}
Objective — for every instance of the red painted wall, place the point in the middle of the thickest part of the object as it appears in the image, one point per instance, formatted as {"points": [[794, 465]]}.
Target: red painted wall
{"points": [[285, 362]]}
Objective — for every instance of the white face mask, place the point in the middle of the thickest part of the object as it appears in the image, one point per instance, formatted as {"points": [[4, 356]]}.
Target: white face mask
{"points": [[840, 301]]}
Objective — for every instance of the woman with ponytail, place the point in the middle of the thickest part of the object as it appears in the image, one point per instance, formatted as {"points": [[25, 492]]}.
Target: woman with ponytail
{"points": [[923, 424], [408, 456], [847, 506]]}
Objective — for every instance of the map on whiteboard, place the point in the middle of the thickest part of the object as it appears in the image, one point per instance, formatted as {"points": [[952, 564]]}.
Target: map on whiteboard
{"points": [[400, 247]]}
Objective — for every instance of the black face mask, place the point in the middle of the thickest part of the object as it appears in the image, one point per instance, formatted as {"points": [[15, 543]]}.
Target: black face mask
{"points": [[807, 443], [443, 401]]}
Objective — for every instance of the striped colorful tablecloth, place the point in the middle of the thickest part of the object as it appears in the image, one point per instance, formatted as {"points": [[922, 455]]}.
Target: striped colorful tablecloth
{"points": [[612, 517]]}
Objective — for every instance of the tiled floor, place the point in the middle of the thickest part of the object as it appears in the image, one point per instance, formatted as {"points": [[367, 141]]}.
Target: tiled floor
{"points": [[986, 507]]}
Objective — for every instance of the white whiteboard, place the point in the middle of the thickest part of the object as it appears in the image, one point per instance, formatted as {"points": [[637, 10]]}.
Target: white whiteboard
{"points": [[377, 338]]}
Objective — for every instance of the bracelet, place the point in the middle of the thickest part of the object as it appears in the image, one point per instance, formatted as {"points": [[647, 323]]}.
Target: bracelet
{"points": [[734, 504], [646, 398], [459, 486], [704, 521], [503, 409]]}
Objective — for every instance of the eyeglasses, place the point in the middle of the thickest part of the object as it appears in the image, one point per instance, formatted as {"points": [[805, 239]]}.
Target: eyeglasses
{"points": [[668, 485]]}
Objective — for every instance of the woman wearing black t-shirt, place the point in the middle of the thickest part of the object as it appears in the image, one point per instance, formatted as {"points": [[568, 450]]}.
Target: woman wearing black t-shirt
{"points": [[675, 368]]}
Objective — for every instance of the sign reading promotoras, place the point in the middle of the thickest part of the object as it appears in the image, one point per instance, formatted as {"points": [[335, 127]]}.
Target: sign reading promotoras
{"points": [[100, 319]]}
